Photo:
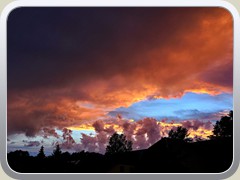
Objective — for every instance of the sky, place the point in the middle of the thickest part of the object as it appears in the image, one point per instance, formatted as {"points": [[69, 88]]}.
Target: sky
{"points": [[77, 75]]}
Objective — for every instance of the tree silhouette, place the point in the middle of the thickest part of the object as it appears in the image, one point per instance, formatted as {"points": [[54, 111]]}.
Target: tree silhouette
{"points": [[41, 154], [118, 143], [57, 151], [19, 153], [224, 127], [180, 133]]}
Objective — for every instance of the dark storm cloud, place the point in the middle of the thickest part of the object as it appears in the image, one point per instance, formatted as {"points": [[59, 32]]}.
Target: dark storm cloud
{"points": [[58, 46]]}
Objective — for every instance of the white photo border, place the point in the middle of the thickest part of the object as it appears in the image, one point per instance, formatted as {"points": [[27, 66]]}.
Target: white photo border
{"points": [[118, 3]]}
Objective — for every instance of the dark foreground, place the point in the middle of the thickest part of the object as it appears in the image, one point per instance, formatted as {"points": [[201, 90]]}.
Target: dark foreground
{"points": [[166, 156]]}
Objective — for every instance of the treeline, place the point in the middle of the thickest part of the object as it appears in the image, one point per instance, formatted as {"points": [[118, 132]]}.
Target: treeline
{"points": [[175, 153]]}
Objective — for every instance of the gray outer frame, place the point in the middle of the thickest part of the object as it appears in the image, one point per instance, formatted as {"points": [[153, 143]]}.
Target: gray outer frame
{"points": [[122, 3]]}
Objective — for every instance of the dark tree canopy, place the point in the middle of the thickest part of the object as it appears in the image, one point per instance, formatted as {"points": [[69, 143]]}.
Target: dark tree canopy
{"points": [[224, 127], [57, 151], [41, 153], [118, 143], [19, 153], [180, 133]]}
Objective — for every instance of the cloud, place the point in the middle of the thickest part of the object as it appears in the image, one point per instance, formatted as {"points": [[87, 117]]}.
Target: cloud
{"points": [[95, 64], [31, 143], [128, 113], [98, 142], [187, 35], [150, 127], [69, 142], [142, 133], [49, 132], [196, 124], [99, 127], [196, 114]]}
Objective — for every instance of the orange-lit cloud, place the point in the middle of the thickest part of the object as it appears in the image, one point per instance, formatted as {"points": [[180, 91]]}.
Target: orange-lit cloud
{"points": [[199, 130], [151, 57]]}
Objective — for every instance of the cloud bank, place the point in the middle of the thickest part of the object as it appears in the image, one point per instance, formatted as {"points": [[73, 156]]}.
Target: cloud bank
{"points": [[76, 67]]}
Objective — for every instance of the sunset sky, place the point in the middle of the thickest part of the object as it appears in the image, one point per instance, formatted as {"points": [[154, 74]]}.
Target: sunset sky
{"points": [[77, 75]]}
